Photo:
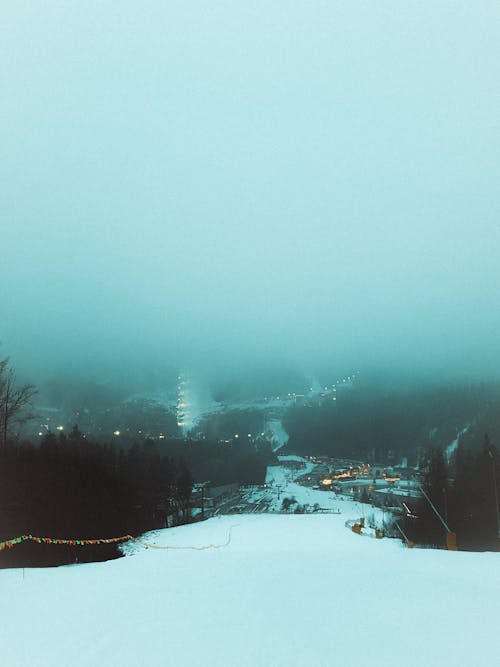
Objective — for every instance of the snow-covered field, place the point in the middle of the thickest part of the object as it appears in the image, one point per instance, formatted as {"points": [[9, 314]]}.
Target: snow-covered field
{"points": [[281, 484], [286, 590]]}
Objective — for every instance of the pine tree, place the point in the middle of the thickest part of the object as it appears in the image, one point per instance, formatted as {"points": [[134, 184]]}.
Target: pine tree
{"points": [[184, 486]]}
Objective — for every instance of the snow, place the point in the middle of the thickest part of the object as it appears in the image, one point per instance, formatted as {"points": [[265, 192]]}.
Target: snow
{"points": [[292, 457], [279, 435], [271, 589], [287, 590], [395, 491], [452, 447], [282, 485]]}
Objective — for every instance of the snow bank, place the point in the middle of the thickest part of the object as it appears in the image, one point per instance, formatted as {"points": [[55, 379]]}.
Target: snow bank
{"points": [[286, 590], [292, 457]]}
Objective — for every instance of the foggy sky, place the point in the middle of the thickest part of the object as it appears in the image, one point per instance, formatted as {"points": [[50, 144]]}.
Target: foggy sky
{"points": [[227, 185]]}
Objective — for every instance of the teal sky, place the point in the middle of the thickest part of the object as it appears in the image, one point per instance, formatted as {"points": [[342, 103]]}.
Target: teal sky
{"points": [[220, 183]]}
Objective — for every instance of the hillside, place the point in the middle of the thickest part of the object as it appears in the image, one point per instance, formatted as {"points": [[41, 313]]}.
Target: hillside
{"points": [[284, 590]]}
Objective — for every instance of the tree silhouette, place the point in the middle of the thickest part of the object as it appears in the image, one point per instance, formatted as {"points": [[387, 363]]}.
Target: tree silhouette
{"points": [[15, 400]]}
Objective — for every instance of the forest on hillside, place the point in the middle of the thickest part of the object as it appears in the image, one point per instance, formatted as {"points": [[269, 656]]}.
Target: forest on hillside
{"points": [[385, 426], [461, 498], [75, 486]]}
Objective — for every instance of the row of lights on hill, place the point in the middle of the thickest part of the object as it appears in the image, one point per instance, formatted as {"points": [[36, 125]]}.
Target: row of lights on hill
{"points": [[117, 433], [58, 428]]}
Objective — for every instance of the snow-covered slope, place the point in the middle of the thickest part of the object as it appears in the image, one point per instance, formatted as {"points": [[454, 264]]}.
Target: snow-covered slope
{"points": [[286, 590]]}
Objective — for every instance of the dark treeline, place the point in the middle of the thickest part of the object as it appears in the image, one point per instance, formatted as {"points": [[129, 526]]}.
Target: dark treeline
{"points": [[224, 425], [366, 423], [102, 409], [70, 487], [241, 460], [465, 494]]}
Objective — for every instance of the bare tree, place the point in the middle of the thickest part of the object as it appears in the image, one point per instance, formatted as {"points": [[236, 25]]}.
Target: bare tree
{"points": [[15, 401]]}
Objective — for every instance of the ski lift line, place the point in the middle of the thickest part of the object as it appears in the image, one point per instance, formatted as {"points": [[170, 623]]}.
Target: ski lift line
{"points": [[447, 528], [401, 531]]}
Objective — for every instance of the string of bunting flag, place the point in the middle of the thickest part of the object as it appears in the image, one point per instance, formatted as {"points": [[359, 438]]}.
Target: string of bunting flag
{"points": [[8, 544]]}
